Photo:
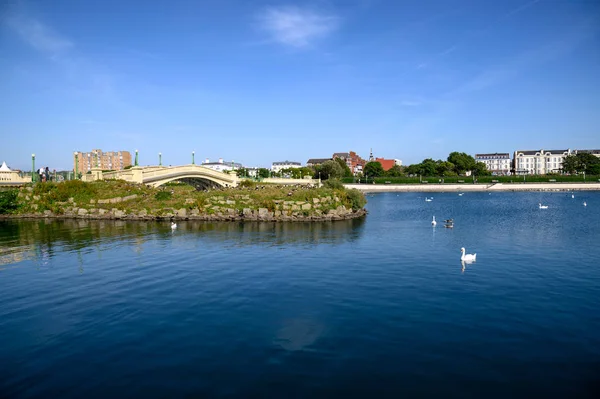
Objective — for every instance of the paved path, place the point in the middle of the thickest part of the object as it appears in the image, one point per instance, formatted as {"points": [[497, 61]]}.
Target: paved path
{"points": [[374, 188]]}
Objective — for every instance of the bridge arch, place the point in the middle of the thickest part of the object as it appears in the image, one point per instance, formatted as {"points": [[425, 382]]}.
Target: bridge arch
{"points": [[197, 176]]}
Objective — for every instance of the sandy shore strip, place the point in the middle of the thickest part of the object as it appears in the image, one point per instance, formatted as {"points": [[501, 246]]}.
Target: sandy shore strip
{"points": [[439, 188]]}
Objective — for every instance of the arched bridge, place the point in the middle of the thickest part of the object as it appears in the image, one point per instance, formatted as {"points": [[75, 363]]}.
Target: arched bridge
{"points": [[198, 176]]}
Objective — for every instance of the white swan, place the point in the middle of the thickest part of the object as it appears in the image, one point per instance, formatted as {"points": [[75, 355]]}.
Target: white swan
{"points": [[584, 203], [173, 225], [543, 206], [433, 222], [467, 257], [428, 199], [572, 195], [461, 194]]}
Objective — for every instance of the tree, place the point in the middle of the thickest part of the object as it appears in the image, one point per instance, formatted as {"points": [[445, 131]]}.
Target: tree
{"points": [[373, 169], [445, 168], [330, 170], [395, 171], [462, 161], [570, 163], [581, 162], [345, 168], [428, 167], [264, 173], [481, 169]]}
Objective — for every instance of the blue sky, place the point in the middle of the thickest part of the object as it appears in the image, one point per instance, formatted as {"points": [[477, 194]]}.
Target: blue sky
{"points": [[262, 81]]}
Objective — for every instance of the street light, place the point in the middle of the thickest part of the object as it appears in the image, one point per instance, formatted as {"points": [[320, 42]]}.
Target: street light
{"points": [[159, 159], [193, 153], [33, 168], [584, 173], [136, 158], [76, 164]]}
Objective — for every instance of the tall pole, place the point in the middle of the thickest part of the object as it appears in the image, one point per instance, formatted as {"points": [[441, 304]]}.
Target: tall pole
{"points": [[193, 153], [159, 159], [76, 164], [136, 158], [33, 168]]}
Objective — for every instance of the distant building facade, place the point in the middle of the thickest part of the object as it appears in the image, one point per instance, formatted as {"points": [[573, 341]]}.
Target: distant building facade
{"points": [[11, 177], [111, 160], [352, 159], [278, 166], [539, 162], [388, 164], [498, 163], [221, 166], [317, 161], [593, 152]]}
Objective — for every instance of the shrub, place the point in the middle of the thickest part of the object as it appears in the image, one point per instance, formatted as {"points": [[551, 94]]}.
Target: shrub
{"points": [[247, 183], [356, 198], [334, 184], [8, 201]]}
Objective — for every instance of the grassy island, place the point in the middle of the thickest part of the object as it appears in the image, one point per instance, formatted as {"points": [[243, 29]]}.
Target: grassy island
{"points": [[116, 199]]}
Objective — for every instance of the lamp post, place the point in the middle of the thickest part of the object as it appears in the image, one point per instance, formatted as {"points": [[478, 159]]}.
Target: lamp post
{"points": [[159, 159], [136, 158], [193, 153], [584, 173], [76, 164], [95, 159], [33, 168]]}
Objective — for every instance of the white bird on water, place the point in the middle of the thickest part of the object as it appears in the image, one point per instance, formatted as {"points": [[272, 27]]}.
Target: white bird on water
{"points": [[584, 203], [428, 199], [572, 195], [433, 222], [467, 257], [543, 206], [173, 225], [461, 194]]}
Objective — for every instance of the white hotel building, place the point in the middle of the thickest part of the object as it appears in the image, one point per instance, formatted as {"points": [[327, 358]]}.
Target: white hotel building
{"points": [[277, 166], [497, 163], [539, 162]]}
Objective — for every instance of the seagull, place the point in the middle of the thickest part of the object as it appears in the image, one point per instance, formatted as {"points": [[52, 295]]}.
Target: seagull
{"points": [[433, 222], [173, 225], [543, 206], [467, 257]]}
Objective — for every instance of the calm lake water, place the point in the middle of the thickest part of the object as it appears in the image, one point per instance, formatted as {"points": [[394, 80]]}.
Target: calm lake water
{"points": [[380, 306]]}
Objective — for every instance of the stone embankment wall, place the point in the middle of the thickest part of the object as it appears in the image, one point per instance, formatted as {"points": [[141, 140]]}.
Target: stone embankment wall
{"points": [[216, 208]]}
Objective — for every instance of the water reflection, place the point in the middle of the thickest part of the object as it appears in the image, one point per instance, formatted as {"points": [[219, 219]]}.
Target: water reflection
{"points": [[39, 240]]}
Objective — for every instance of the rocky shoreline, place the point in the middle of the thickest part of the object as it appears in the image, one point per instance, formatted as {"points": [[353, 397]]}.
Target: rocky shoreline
{"points": [[219, 205], [261, 215]]}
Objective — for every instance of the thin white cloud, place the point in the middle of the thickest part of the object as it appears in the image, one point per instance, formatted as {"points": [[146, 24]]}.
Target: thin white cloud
{"points": [[410, 103], [296, 27], [38, 35]]}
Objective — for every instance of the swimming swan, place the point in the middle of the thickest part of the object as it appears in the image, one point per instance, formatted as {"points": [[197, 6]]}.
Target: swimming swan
{"points": [[428, 199], [433, 222], [584, 203], [467, 257], [173, 225], [543, 206]]}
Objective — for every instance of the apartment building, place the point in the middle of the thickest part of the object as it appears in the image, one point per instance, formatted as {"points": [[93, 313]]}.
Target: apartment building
{"points": [[83, 162], [277, 166], [497, 163], [539, 162], [221, 166], [352, 159]]}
